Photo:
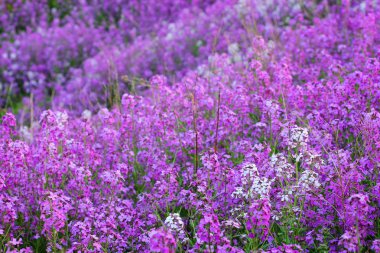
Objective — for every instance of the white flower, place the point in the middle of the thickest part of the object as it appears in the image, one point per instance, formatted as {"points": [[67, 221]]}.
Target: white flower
{"points": [[86, 114], [62, 119], [231, 223], [175, 224], [281, 166], [296, 136], [260, 188], [238, 193], [248, 173], [313, 159], [26, 134], [241, 7], [233, 48], [308, 181], [254, 186], [299, 135], [284, 198]]}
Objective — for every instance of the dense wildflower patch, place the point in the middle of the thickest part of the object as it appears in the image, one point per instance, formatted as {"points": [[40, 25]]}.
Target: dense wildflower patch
{"points": [[190, 126]]}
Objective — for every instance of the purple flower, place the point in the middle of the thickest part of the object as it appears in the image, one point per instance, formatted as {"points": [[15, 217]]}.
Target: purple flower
{"points": [[162, 241]]}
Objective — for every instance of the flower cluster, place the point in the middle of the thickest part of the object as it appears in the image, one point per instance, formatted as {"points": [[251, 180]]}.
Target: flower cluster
{"points": [[189, 126]]}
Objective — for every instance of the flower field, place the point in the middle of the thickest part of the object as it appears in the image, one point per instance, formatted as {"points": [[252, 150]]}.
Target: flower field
{"points": [[190, 126]]}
